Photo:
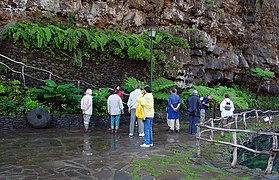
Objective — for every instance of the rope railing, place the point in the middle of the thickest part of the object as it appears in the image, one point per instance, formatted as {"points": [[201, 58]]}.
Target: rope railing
{"points": [[51, 75], [224, 125]]}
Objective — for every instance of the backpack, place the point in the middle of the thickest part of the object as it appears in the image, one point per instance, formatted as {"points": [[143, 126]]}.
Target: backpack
{"points": [[228, 106], [139, 112]]}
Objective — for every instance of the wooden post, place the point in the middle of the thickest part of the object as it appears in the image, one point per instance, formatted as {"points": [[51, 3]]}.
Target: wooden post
{"points": [[269, 118], [22, 74], [234, 161], [198, 141], [212, 125], [78, 84], [272, 156], [235, 120], [222, 126], [49, 76], [257, 118], [244, 120]]}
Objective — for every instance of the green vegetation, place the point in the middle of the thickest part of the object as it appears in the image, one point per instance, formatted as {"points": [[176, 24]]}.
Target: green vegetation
{"points": [[181, 161], [60, 97], [100, 101], [16, 100], [160, 90], [79, 43], [242, 98], [65, 98], [262, 75]]}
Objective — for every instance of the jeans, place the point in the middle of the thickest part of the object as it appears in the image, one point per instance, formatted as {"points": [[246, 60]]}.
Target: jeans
{"points": [[148, 137], [132, 122], [115, 118], [192, 126]]}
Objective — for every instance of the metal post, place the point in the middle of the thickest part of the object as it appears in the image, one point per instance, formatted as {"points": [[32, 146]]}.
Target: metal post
{"points": [[151, 54]]}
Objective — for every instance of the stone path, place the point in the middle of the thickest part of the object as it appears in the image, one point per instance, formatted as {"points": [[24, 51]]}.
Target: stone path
{"points": [[73, 154]]}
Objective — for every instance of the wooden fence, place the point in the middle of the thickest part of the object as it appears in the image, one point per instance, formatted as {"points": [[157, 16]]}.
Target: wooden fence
{"points": [[239, 123]]}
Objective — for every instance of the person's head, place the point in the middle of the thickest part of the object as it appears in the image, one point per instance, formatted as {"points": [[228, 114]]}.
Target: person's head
{"points": [[147, 89], [226, 96], [88, 91], [118, 88], [195, 92], [210, 97], [137, 86], [173, 90]]}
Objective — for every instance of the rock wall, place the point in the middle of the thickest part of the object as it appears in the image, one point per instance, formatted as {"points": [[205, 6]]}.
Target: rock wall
{"points": [[227, 38]]}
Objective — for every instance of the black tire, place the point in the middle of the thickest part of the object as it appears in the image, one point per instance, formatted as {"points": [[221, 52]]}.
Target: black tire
{"points": [[39, 118]]}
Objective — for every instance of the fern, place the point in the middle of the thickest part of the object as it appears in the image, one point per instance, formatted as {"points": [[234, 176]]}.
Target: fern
{"points": [[160, 95], [47, 32], [130, 83], [102, 39], [161, 84]]}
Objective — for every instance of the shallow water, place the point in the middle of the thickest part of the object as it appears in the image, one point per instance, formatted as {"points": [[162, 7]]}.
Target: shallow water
{"points": [[68, 153]]}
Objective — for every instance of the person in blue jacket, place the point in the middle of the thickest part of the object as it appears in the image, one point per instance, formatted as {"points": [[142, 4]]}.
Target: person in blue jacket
{"points": [[204, 107], [173, 110], [193, 104]]}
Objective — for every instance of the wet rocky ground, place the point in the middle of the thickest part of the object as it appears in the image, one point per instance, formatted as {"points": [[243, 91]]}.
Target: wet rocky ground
{"points": [[72, 154]]}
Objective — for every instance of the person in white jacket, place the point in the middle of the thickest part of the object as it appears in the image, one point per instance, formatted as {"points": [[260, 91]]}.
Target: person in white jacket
{"points": [[86, 106], [226, 106], [132, 105], [115, 109]]}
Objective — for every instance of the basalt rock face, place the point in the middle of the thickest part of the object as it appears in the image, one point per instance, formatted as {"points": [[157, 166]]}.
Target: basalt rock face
{"points": [[226, 38]]}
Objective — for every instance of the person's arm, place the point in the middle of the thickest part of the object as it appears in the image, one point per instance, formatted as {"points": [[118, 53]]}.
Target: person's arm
{"points": [[232, 106], [121, 106], [221, 106], [129, 103], [206, 103], [170, 104], [108, 104]]}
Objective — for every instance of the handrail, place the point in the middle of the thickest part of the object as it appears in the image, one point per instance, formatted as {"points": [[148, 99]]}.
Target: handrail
{"points": [[24, 66], [224, 125], [23, 73]]}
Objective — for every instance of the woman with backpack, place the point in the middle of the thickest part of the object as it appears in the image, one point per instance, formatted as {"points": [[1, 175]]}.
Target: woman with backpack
{"points": [[226, 106]]}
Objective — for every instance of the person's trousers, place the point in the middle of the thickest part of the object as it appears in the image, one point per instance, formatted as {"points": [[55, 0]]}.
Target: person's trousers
{"points": [[148, 137], [116, 119], [172, 123], [202, 116], [133, 119], [192, 126], [86, 120]]}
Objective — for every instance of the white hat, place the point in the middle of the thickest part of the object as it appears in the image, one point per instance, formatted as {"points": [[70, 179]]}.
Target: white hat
{"points": [[195, 92], [88, 91]]}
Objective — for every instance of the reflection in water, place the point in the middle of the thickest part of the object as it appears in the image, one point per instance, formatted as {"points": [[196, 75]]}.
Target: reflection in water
{"points": [[114, 143], [87, 150]]}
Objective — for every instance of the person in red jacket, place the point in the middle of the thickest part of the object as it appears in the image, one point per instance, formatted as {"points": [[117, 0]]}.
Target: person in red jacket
{"points": [[119, 91]]}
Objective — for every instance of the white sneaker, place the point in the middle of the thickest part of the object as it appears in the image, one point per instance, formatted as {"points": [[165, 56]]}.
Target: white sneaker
{"points": [[130, 134], [144, 145], [151, 145], [141, 134]]}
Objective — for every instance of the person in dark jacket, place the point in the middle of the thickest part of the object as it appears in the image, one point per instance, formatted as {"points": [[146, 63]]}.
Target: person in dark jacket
{"points": [[193, 109]]}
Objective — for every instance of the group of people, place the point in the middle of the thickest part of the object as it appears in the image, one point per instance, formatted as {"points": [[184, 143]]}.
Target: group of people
{"points": [[197, 108], [142, 100], [115, 109]]}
